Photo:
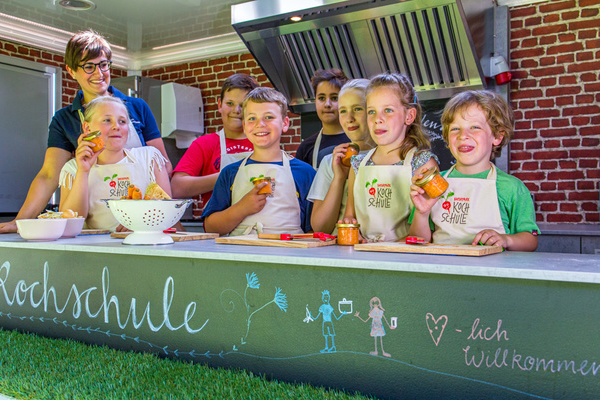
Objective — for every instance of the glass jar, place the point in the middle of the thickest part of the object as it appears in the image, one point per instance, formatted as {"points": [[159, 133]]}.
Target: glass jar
{"points": [[433, 183], [96, 138], [267, 189], [351, 150], [347, 234]]}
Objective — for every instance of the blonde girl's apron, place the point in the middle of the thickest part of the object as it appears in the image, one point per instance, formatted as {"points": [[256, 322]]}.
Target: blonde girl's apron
{"points": [[229, 158], [469, 206], [382, 199], [281, 214], [110, 182]]}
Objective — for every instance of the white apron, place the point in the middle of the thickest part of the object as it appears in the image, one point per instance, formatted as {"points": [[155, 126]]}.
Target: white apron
{"points": [[281, 214], [315, 156], [469, 206], [110, 182], [382, 199], [229, 158]]}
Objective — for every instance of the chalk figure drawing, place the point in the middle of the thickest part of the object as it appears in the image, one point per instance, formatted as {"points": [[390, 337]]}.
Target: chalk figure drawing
{"points": [[327, 311], [252, 283], [436, 326], [377, 330]]}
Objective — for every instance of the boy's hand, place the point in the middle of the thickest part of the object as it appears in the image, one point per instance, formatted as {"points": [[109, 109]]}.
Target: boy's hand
{"points": [[253, 202], [489, 237], [339, 170]]}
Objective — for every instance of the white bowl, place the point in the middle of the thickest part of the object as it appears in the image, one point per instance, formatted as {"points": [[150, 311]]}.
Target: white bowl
{"points": [[148, 218], [74, 227], [41, 229]]}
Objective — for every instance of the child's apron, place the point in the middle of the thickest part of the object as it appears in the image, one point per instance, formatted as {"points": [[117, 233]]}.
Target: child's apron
{"points": [[469, 206], [281, 214], [110, 181], [382, 199], [315, 155], [229, 158]]}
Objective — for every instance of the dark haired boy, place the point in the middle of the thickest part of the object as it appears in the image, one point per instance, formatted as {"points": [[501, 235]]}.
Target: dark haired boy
{"points": [[326, 85], [198, 169]]}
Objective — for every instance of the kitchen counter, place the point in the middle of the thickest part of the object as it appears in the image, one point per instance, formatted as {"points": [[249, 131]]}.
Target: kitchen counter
{"points": [[503, 325]]}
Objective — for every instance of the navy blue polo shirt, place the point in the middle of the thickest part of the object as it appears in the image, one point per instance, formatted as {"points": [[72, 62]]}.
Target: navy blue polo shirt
{"points": [[65, 126]]}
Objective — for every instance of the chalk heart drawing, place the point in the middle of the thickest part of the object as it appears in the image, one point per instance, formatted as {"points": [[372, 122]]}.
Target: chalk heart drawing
{"points": [[436, 326]]}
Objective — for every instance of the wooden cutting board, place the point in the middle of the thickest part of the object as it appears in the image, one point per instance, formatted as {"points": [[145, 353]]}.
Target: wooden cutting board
{"points": [[253, 240], [430, 248], [177, 236], [94, 231]]}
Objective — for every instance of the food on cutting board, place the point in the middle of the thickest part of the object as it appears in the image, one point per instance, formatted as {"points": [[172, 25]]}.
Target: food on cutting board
{"points": [[153, 192], [58, 214]]}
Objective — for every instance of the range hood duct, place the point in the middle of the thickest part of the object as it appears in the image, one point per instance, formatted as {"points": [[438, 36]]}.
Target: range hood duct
{"points": [[427, 40]]}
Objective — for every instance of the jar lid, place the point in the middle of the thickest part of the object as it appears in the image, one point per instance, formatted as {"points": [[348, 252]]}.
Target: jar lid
{"points": [[354, 146], [92, 135], [348, 225], [260, 178], [428, 175]]}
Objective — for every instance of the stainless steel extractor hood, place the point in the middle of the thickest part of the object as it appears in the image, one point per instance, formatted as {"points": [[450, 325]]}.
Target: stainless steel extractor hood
{"points": [[439, 44]]}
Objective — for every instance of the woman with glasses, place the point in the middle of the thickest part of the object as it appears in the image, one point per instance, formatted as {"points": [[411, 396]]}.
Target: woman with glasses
{"points": [[88, 61]]}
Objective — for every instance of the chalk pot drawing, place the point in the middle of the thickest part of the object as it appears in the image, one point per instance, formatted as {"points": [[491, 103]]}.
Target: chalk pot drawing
{"points": [[252, 283], [436, 326], [327, 311], [377, 331]]}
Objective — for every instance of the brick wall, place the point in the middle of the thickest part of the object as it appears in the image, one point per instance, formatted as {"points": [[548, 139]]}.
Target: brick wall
{"points": [[555, 59], [208, 75]]}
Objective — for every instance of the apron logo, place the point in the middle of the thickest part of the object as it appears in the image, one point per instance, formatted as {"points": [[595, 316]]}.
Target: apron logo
{"points": [[381, 194], [457, 210], [118, 186]]}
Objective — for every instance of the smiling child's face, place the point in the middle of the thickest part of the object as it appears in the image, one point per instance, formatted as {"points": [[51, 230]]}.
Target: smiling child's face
{"points": [[471, 140], [264, 124], [353, 115], [112, 121], [230, 108]]}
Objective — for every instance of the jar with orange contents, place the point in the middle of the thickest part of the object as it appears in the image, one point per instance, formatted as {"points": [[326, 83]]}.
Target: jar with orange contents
{"points": [[351, 150], [96, 138], [433, 183], [347, 234], [268, 188]]}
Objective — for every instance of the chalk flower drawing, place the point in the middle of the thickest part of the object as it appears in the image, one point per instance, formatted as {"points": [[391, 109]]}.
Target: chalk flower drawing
{"points": [[280, 300]]}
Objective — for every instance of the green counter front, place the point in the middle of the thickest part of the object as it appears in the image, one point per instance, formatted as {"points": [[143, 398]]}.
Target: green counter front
{"points": [[507, 326]]}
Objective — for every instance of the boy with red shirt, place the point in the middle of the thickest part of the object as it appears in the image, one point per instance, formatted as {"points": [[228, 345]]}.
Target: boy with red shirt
{"points": [[198, 169]]}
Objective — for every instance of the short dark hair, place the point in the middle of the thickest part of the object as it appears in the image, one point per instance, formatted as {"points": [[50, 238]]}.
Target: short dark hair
{"points": [[239, 81], [85, 45], [334, 76]]}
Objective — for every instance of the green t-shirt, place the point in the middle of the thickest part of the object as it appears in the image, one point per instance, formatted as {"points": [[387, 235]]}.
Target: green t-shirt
{"points": [[515, 202]]}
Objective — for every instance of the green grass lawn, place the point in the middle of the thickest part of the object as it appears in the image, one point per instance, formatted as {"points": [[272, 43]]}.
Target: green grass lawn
{"points": [[34, 367]]}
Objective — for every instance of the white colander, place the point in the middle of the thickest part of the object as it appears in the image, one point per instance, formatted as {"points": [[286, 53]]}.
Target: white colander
{"points": [[148, 218]]}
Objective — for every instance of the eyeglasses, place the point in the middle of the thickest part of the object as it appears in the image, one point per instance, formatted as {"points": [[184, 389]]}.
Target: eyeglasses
{"points": [[89, 68]]}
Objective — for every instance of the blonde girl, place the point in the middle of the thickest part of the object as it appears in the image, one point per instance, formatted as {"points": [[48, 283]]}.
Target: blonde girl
{"points": [[106, 174], [379, 181]]}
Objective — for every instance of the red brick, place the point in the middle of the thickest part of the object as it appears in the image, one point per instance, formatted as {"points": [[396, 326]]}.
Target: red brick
{"points": [[585, 99], [520, 156], [587, 153], [585, 185], [528, 53], [563, 101], [584, 24], [587, 34], [565, 185], [588, 77], [525, 104], [526, 83], [565, 48], [549, 29], [552, 71], [592, 87], [548, 206], [548, 144], [589, 12], [550, 155], [585, 56], [589, 206], [525, 135], [585, 3], [569, 15], [584, 67], [557, 6], [592, 130], [527, 94], [541, 123], [545, 61], [529, 63], [582, 110], [560, 122], [530, 166], [592, 44], [533, 145], [589, 142], [546, 103], [587, 163], [533, 21], [568, 207], [564, 218], [519, 34], [550, 196], [592, 218], [551, 81], [570, 143], [579, 196]]}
